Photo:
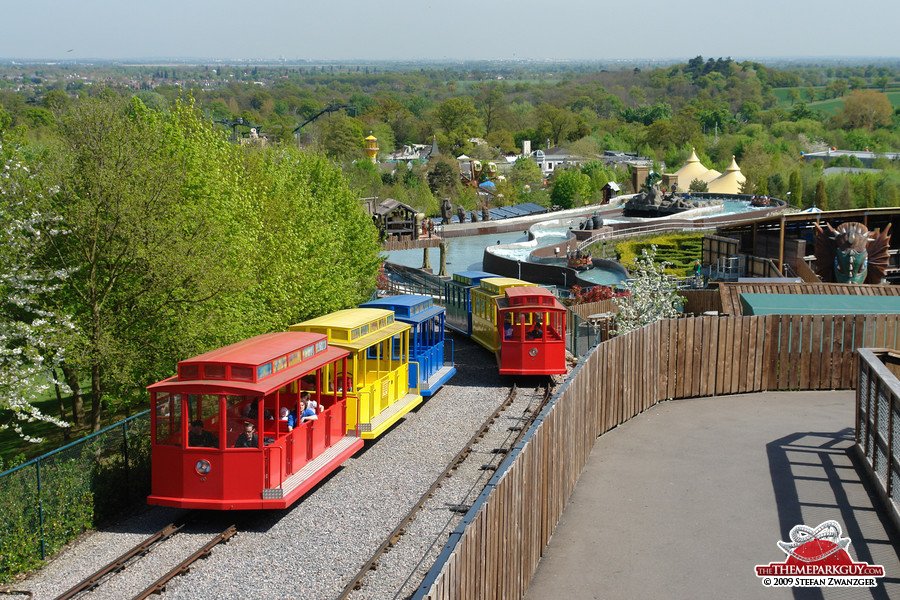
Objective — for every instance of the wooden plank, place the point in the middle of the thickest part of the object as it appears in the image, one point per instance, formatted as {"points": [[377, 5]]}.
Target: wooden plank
{"points": [[744, 361], [827, 366], [722, 356], [712, 353], [750, 384], [815, 352], [734, 336], [770, 355], [806, 329], [837, 342], [784, 343], [794, 353], [695, 332], [671, 357], [760, 367]]}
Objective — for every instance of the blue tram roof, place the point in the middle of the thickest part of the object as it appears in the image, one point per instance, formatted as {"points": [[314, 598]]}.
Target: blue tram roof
{"points": [[471, 278], [411, 308]]}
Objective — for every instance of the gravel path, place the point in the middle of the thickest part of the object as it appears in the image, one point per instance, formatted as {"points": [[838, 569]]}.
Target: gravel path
{"points": [[314, 548]]}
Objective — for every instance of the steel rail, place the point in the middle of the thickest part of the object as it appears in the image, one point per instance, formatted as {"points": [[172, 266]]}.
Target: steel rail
{"points": [[184, 566], [392, 538], [91, 581]]}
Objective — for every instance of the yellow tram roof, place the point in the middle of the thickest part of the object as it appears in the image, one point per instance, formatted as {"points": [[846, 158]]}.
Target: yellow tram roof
{"points": [[496, 285], [354, 328]]}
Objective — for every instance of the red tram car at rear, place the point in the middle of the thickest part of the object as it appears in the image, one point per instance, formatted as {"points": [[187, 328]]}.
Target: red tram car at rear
{"points": [[533, 323], [227, 431], [524, 325]]}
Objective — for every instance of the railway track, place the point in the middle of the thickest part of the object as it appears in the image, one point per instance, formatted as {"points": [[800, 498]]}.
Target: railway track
{"points": [[499, 445], [133, 556], [323, 541]]}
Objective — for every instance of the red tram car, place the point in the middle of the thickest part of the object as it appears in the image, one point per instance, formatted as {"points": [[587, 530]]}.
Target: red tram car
{"points": [[524, 325], [222, 436], [533, 327]]}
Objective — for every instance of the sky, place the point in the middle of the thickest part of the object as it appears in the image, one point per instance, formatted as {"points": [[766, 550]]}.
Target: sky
{"points": [[345, 30]]}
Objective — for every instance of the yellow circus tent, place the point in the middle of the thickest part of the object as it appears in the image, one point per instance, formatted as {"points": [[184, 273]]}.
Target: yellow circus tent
{"points": [[729, 182], [692, 170]]}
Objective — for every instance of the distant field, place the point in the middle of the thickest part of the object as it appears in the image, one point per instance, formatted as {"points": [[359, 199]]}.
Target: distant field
{"points": [[465, 84], [830, 106]]}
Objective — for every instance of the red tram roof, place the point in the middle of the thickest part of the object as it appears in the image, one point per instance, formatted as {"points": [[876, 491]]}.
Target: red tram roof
{"points": [[531, 297], [256, 365]]}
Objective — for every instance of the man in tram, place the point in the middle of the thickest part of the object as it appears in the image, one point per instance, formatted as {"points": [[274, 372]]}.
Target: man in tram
{"points": [[199, 437], [537, 332], [248, 439]]}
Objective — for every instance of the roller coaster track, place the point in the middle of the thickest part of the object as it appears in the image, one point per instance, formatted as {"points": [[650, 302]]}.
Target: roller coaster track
{"points": [[398, 531]]}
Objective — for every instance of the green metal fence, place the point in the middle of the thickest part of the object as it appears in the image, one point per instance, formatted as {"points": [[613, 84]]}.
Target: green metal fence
{"points": [[50, 500]]}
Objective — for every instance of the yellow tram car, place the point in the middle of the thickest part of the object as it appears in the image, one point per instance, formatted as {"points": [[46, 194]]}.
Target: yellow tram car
{"points": [[378, 393], [484, 309]]}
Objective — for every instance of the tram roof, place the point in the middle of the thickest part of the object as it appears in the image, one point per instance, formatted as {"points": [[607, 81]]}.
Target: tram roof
{"points": [[411, 308], [354, 328], [470, 278], [530, 298], [257, 365], [497, 285]]}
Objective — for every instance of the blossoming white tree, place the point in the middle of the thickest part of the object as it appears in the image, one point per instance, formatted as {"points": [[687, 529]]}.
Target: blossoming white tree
{"points": [[31, 335], [653, 295]]}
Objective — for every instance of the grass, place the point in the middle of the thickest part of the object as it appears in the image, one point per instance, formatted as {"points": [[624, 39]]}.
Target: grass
{"points": [[832, 105], [12, 447]]}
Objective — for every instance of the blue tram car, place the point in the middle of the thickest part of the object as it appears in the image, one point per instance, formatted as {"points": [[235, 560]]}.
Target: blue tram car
{"points": [[458, 299], [428, 368]]}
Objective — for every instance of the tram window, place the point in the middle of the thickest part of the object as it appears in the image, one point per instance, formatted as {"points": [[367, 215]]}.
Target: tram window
{"points": [[555, 325], [397, 347], [207, 410], [168, 419]]}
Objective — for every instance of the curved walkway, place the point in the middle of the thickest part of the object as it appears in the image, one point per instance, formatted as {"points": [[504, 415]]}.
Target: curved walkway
{"points": [[685, 499]]}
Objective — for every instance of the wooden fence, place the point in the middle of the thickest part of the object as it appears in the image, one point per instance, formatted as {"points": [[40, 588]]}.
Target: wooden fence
{"points": [[494, 552]]}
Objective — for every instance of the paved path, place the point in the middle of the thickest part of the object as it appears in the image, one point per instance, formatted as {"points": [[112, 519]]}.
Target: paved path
{"points": [[685, 499]]}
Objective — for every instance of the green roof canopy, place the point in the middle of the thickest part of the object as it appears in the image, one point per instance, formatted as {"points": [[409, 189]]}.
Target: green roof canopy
{"points": [[818, 304]]}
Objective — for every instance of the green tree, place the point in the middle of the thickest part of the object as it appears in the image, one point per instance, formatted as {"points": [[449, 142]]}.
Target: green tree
{"points": [[554, 122], [794, 95], [569, 187], [865, 109], [342, 136], [698, 185], [489, 100], [526, 172], [138, 238], [821, 196], [443, 179], [458, 120], [795, 189]]}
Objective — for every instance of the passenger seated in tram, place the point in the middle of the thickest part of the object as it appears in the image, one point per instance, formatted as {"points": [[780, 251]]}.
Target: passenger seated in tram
{"points": [[199, 437], [248, 439], [308, 414], [251, 410], [507, 331], [537, 332]]}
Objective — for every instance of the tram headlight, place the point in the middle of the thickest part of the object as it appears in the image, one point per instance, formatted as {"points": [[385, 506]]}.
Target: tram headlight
{"points": [[532, 352], [203, 467]]}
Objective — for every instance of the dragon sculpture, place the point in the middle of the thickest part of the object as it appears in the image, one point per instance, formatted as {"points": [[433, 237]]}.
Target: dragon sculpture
{"points": [[851, 253]]}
